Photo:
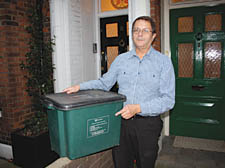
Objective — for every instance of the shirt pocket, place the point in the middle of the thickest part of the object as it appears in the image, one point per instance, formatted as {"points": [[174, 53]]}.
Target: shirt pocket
{"points": [[151, 81], [125, 79]]}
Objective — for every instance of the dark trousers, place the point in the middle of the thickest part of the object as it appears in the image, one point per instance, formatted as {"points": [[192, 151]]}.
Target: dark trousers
{"points": [[138, 141]]}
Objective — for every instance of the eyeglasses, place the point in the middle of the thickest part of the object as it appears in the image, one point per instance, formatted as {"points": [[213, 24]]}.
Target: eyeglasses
{"points": [[143, 31]]}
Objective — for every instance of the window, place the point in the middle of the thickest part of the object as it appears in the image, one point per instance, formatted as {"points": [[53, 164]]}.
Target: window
{"points": [[110, 5]]}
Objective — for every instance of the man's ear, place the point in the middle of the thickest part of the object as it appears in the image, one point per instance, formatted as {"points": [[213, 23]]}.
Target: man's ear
{"points": [[154, 36]]}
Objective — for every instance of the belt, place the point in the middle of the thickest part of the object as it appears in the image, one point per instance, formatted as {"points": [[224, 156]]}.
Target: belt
{"points": [[143, 117]]}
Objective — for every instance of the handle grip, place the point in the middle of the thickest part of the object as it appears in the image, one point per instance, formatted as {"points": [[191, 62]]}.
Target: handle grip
{"points": [[198, 87]]}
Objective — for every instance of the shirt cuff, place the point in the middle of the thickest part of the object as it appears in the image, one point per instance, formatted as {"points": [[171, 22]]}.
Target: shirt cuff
{"points": [[144, 110], [82, 86]]}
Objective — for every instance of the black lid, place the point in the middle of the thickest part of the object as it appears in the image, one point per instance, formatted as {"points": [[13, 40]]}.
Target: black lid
{"points": [[64, 101]]}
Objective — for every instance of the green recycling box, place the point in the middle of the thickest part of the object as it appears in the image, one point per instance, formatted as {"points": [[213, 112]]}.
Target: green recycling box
{"points": [[83, 123]]}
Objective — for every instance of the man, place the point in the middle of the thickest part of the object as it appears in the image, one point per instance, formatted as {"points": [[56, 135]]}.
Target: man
{"points": [[147, 79]]}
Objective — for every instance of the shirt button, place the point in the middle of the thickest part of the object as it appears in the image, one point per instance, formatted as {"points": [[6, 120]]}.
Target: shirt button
{"points": [[139, 73]]}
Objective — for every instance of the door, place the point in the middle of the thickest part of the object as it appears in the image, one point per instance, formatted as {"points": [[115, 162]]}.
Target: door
{"points": [[114, 40], [197, 48]]}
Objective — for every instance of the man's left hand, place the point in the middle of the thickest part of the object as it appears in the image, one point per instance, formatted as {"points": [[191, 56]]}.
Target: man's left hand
{"points": [[129, 111]]}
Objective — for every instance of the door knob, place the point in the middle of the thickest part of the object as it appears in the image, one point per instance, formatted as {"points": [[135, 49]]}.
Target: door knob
{"points": [[122, 43], [198, 36]]}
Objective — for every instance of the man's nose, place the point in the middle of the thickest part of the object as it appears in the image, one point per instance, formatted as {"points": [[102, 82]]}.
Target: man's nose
{"points": [[140, 33]]}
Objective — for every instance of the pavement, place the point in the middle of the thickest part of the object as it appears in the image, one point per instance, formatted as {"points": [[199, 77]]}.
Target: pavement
{"points": [[173, 157], [7, 164]]}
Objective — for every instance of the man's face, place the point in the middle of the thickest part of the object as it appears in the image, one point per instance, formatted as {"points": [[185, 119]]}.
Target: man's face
{"points": [[142, 34]]}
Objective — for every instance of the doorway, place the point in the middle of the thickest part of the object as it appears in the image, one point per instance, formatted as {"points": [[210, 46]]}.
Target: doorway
{"points": [[114, 41], [197, 50]]}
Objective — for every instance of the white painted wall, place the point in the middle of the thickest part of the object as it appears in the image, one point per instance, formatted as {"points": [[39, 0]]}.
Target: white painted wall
{"points": [[88, 38], [59, 29], [75, 42], [73, 26], [165, 48]]}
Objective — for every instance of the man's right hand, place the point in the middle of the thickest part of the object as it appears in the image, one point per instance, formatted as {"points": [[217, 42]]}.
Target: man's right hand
{"points": [[72, 89]]}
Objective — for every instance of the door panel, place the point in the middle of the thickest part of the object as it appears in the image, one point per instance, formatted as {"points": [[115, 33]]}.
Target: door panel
{"points": [[197, 48], [112, 52]]}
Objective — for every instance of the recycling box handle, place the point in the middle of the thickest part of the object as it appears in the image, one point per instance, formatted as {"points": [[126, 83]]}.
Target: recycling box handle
{"points": [[47, 104]]}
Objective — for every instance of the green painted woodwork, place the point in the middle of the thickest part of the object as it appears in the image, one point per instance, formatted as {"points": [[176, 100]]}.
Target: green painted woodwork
{"points": [[200, 102]]}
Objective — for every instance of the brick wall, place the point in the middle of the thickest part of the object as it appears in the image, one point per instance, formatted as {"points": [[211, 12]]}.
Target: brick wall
{"points": [[155, 14], [14, 101]]}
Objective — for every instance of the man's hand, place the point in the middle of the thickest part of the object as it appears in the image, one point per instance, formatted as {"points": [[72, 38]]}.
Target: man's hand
{"points": [[129, 111], [72, 89]]}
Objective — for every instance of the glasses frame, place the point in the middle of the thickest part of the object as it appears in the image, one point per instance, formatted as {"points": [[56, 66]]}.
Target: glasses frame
{"points": [[143, 31]]}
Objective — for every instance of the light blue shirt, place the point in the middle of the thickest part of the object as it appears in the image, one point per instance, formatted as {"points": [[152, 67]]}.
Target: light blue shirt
{"points": [[149, 81]]}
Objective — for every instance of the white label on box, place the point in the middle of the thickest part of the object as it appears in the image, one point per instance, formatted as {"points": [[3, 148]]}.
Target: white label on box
{"points": [[97, 126]]}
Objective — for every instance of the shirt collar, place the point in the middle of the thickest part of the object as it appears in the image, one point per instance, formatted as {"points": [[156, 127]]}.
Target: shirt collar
{"points": [[133, 53]]}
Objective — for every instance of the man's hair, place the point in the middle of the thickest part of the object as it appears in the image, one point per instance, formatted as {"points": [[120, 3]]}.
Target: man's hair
{"points": [[148, 19]]}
